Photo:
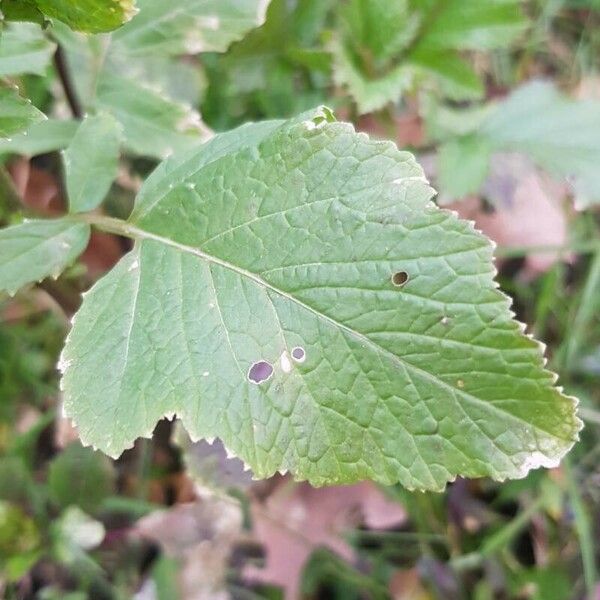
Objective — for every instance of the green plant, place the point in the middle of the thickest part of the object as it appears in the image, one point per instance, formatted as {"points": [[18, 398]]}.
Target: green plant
{"points": [[291, 288]]}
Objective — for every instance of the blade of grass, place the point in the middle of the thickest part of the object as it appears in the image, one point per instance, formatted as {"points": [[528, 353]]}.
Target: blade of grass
{"points": [[499, 540], [587, 310]]}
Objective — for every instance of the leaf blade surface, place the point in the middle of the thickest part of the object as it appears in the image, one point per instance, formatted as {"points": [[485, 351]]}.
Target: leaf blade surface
{"points": [[91, 161], [292, 239], [34, 250]]}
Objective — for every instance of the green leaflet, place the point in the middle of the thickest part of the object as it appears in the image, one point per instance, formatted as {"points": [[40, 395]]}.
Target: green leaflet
{"points": [[91, 161], [92, 16], [386, 50], [305, 245], [80, 476], [279, 68], [189, 26], [153, 125], [24, 49], [21, 10], [463, 164], [16, 113], [108, 70], [34, 250], [41, 137]]}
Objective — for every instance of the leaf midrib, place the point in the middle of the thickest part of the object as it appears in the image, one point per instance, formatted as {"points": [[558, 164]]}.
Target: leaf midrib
{"points": [[123, 228]]}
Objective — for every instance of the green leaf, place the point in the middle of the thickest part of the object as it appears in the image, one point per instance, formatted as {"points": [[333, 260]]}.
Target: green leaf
{"points": [[20, 542], [560, 134], [46, 136], [16, 113], [24, 49], [304, 248], [21, 10], [384, 27], [279, 69], [91, 16], [189, 26], [153, 125], [35, 250], [463, 165], [80, 476], [469, 24], [563, 138], [385, 51], [369, 94], [91, 162]]}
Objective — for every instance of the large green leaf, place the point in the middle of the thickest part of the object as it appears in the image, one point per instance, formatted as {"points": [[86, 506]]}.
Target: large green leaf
{"points": [[189, 26], [34, 250], [386, 49], [91, 161], [294, 291], [24, 49], [16, 113]]}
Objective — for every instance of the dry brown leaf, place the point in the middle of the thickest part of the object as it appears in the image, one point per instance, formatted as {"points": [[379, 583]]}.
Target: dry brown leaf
{"points": [[406, 585], [529, 210], [297, 518], [103, 253], [38, 189], [407, 129]]}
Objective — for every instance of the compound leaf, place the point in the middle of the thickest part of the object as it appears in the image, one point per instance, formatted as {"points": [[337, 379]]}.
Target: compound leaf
{"points": [[294, 291], [386, 49], [34, 250]]}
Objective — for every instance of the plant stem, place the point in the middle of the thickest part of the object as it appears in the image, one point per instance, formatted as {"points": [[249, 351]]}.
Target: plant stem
{"points": [[584, 530], [60, 62]]}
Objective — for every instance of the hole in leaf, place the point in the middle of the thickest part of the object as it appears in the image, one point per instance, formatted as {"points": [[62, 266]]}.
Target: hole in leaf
{"points": [[399, 278], [260, 371], [298, 354]]}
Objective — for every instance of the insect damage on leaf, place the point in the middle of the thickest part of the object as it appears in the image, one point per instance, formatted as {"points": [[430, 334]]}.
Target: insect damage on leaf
{"points": [[399, 278], [260, 371], [260, 311]]}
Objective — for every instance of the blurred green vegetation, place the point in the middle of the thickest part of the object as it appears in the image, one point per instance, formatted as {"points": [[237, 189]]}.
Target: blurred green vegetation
{"points": [[68, 515]]}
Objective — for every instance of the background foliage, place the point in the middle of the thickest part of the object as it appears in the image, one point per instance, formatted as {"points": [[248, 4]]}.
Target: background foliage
{"points": [[499, 100]]}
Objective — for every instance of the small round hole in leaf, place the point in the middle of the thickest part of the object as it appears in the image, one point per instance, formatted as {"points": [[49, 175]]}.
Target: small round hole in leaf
{"points": [[260, 371], [399, 278], [298, 354]]}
